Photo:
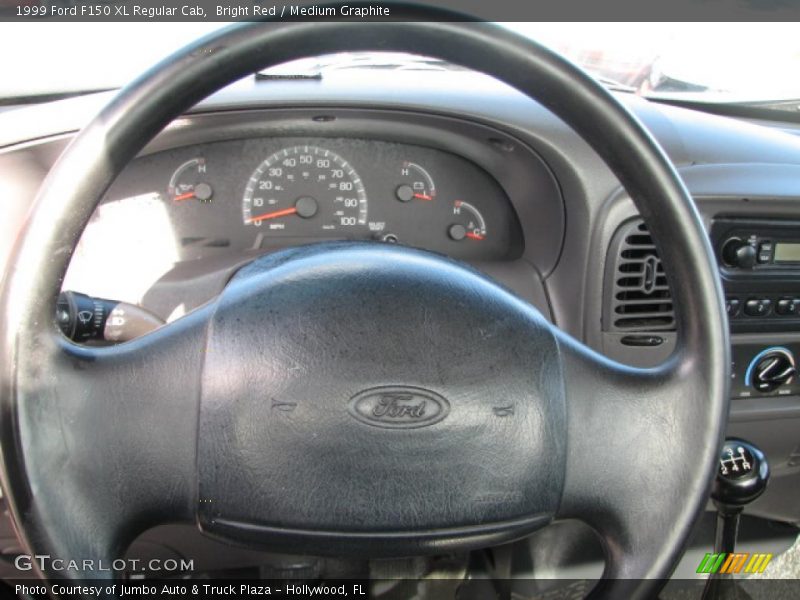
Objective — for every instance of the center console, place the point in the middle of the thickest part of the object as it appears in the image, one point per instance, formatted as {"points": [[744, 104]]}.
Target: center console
{"points": [[760, 271], [758, 254]]}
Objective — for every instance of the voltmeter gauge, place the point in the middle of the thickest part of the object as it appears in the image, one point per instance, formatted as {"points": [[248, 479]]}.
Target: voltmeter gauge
{"points": [[417, 184]]}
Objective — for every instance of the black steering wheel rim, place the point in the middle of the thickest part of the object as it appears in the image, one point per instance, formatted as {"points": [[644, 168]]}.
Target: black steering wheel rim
{"points": [[691, 387]]}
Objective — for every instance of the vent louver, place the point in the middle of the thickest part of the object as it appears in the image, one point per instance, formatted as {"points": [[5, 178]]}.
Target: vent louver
{"points": [[637, 293]]}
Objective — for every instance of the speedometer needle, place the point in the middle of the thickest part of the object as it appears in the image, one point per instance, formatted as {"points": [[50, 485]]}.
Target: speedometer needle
{"points": [[274, 215]]}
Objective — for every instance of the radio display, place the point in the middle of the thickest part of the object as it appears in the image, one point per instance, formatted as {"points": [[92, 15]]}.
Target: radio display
{"points": [[787, 252]]}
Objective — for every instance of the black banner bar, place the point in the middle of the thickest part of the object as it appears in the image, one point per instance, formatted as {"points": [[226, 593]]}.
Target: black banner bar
{"points": [[375, 589], [496, 10]]}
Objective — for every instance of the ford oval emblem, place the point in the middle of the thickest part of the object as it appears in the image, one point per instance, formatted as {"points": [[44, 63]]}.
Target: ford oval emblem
{"points": [[398, 407]]}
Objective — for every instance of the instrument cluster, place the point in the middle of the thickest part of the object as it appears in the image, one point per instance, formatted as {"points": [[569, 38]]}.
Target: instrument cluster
{"points": [[269, 193]]}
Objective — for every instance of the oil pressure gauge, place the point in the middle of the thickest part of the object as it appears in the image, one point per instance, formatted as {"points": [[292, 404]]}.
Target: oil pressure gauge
{"points": [[188, 182]]}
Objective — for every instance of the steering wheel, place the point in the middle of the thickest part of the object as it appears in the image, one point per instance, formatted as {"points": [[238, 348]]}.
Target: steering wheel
{"points": [[448, 415]]}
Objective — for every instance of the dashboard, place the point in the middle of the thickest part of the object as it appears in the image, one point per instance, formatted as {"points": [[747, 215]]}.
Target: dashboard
{"points": [[269, 165]]}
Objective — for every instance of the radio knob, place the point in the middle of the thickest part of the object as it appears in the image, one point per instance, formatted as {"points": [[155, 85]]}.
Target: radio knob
{"points": [[771, 369], [738, 253]]}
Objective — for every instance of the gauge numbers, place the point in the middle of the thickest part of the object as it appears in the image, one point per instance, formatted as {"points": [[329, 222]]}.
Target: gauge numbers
{"points": [[302, 189]]}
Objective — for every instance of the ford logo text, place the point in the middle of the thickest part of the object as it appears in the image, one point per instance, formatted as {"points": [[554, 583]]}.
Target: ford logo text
{"points": [[398, 407]]}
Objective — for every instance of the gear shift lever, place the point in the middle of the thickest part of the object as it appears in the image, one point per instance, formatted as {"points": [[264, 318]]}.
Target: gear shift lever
{"points": [[742, 477]]}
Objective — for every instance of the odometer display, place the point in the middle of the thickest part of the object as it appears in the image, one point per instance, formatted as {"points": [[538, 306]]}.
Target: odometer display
{"points": [[302, 190]]}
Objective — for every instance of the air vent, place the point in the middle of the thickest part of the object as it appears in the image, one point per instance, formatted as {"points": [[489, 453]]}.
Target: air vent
{"points": [[637, 294]]}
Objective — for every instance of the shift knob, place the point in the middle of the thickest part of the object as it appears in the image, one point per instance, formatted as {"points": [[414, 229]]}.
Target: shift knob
{"points": [[742, 474]]}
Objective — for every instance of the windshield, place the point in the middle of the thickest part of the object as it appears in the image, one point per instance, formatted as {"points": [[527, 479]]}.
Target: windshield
{"points": [[707, 62]]}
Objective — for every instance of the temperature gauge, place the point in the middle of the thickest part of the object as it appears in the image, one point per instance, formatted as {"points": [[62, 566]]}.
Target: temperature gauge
{"points": [[418, 184], [188, 182], [469, 223]]}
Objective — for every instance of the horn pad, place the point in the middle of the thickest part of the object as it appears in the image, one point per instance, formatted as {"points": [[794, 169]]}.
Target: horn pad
{"points": [[370, 399]]}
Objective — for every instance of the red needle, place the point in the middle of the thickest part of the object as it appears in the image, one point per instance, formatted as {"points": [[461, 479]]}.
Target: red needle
{"points": [[185, 196], [423, 197], [474, 236], [273, 215]]}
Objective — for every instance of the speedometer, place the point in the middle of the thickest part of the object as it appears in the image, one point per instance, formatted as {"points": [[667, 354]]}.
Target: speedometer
{"points": [[302, 190]]}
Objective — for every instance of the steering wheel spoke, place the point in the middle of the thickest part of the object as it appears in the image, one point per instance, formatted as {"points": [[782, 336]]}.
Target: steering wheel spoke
{"points": [[109, 439], [634, 437]]}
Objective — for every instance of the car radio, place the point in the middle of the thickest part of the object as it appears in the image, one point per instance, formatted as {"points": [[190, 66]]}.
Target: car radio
{"points": [[759, 263]]}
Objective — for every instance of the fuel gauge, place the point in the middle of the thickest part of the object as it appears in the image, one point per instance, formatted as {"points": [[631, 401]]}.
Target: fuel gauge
{"points": [[188, 182], [469, 223], [418, 184]]}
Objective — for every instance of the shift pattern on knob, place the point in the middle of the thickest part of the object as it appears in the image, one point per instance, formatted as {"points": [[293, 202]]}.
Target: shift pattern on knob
{"points": [[742, 474], [735, 462]]}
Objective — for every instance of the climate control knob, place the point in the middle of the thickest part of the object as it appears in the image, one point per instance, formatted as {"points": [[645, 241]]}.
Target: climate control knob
{"points": [[739, 253], [771, 369]]}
